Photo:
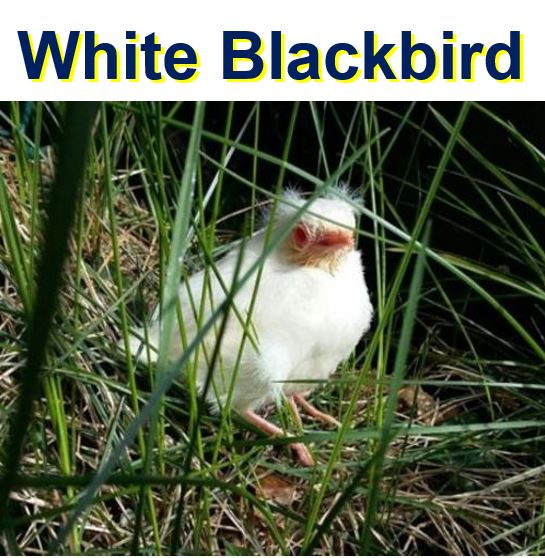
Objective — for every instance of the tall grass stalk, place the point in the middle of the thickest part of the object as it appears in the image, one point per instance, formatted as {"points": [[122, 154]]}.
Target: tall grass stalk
{"points": [[61, 209]]}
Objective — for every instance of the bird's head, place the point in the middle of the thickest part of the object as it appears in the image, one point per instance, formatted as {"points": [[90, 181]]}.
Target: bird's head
{"points": [[324, 235]]}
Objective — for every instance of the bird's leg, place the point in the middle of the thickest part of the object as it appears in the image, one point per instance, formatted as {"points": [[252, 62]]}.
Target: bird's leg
{"points": [[312, 411], [300, 450]]}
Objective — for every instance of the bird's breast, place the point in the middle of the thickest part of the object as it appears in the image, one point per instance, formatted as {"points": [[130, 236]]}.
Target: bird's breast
{"points": [[311, 320]]}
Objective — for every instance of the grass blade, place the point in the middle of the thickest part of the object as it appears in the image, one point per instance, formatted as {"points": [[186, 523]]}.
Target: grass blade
{"points": [[60, 216], [400, 364]]}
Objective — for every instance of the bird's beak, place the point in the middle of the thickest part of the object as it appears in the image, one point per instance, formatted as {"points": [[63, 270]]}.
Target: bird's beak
{"points": [[335, 238]]}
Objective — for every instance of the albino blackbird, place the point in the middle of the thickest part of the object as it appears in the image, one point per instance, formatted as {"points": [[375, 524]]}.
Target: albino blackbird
{"points": [[303, 313]]}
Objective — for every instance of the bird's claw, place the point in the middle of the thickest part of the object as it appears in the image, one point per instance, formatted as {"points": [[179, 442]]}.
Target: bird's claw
{"points": [[312, 411]]}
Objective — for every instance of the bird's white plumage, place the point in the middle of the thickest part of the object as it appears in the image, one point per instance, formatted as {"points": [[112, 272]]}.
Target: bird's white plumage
{"points": [[305, 320]]}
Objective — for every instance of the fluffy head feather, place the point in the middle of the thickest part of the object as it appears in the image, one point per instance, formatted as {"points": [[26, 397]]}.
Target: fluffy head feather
{"points": [[325, 232]]}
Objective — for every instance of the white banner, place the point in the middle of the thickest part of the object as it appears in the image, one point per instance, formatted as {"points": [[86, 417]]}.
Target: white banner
{"points": [[244, 50]]}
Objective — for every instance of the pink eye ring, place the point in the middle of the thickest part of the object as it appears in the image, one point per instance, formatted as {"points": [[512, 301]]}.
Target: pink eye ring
{"points": [[300, 236]]}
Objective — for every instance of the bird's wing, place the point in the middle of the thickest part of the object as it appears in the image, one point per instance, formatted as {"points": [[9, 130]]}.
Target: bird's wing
{"points": [[199, 297]]}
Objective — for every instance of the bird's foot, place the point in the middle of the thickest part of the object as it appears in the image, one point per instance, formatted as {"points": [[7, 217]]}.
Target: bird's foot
{"points": [[311, 410], [299, 449], [303, 454]]}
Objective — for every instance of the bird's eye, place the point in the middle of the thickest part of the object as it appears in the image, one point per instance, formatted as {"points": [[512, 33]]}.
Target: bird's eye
{"points": [[300, 236]]}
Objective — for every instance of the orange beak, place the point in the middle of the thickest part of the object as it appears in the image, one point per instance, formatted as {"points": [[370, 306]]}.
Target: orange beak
{"points": [[335, 238]]}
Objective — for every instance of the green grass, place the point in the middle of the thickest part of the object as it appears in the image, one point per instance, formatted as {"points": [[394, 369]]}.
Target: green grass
{"points": [[442, 438]]}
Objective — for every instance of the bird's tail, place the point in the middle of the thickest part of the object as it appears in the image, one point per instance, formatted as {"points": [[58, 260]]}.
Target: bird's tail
{"points": [[142, 351]]}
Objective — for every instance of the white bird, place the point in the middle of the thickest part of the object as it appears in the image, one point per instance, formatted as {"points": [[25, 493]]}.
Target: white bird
{"points": [[303, 314]]}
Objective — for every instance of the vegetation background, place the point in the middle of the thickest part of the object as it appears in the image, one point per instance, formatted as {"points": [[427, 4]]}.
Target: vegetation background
{"points": [[104, 208]]}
